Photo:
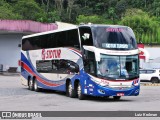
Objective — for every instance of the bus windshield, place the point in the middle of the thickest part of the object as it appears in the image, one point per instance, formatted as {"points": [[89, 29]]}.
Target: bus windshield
{"points": [[114, 38], [117, 67]]}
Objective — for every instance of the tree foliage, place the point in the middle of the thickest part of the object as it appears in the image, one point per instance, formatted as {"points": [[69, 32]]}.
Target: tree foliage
{"points": [[6, 11], [141, 15], [144, 26], [28, 10]]}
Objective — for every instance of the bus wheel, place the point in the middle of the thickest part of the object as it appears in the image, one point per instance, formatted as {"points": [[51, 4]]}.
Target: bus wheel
{"points": [[70, 90], [116, 97], [36, 86], [79, 92], [30, 85]]}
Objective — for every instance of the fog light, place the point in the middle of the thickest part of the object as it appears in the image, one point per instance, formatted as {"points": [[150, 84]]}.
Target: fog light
{"points": [[137, 91], [101, 91]]}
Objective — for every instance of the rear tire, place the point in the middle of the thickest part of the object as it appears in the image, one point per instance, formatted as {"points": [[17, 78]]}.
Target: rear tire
{"points": [[155, 80], [36, 86], [79, 92], [30, 85], [70, 91]]}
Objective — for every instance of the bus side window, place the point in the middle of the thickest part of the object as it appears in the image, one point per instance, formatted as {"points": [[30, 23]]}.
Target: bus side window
{"points": [[44, 66], [86, 36], [68, 67], [60, 38], [55, 66], [72, 39], [73, 67]]}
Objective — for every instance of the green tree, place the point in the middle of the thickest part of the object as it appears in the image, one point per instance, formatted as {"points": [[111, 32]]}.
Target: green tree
{"points": [[92, 19], [144, 26], [121, 7], [6, 11], [29, 10]]}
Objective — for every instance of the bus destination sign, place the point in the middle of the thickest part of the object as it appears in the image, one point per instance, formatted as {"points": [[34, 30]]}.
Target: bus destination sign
{"points": [[125, 46]]}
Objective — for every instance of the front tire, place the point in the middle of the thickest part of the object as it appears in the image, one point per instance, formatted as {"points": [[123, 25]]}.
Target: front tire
{"points": [[79, 92]]}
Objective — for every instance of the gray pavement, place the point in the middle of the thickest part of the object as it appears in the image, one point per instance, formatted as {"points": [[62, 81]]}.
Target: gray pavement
{"points": [[16, 97]]}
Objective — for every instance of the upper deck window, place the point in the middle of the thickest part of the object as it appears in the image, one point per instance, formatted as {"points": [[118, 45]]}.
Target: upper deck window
{"points": [[68, 38]]}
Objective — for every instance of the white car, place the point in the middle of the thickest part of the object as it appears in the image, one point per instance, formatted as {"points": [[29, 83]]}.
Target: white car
{"points": [[151, 75]]}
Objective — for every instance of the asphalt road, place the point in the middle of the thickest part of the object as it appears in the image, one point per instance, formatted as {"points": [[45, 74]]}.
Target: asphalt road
{"points": [[16, 97]]}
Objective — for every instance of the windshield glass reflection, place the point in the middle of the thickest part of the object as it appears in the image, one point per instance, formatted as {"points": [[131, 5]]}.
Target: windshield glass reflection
{"points": [[118, 67]]}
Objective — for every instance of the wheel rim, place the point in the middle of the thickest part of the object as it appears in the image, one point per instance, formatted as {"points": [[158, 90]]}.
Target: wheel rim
{"points": [[35, 85], [79, 90], [30, 84], [70, 89]]}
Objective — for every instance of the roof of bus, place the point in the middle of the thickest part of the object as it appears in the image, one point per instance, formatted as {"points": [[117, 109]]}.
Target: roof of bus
{"points": [[73, 27], [101, 25], [48, 32]]}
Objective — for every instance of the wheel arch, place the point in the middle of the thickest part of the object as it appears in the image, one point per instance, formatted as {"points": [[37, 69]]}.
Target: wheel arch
{"points": [[67, 83], [76, 83], [34, 78]]}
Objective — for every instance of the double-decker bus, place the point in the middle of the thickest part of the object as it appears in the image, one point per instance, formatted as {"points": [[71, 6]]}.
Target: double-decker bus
{"points": [[89, 59]]}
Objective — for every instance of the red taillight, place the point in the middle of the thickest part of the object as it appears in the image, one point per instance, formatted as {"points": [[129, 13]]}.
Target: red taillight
{"points": [[22, 64], [19, 62]]}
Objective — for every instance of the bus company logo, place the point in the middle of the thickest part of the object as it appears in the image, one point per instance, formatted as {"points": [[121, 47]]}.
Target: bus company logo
{"points": [[48, 54], [114, 30], [43, 54]]}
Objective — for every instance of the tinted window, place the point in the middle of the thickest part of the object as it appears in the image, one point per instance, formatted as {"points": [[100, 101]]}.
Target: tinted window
{"points": [[68, 38], [86, 36], [142, 71], [114, 37], [57, 66], [44, 66], [72, 39], [68, 67], [150, 71], [31, 44]]}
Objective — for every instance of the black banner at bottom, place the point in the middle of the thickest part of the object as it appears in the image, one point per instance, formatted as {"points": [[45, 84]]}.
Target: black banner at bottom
{"points": [[39, 114]]}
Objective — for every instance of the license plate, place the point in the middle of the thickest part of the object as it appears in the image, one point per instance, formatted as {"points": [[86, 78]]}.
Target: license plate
{"points": [[120, 94]]}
